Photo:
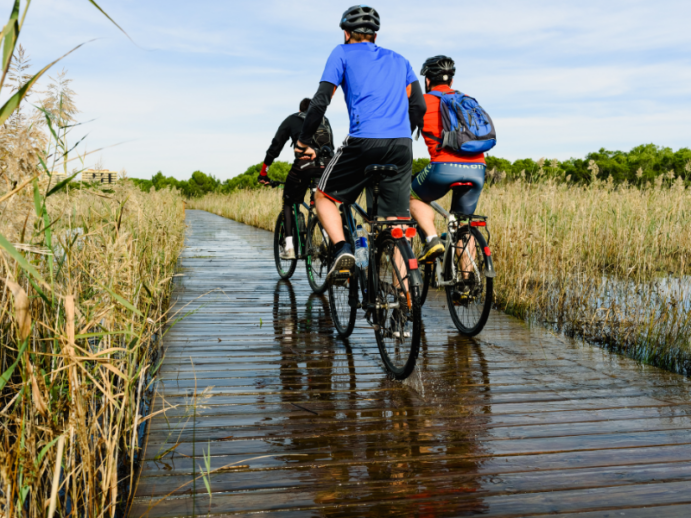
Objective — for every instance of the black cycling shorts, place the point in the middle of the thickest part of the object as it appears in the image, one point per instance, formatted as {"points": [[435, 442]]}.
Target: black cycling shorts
{"points": [[344, 178], [298, 181]]}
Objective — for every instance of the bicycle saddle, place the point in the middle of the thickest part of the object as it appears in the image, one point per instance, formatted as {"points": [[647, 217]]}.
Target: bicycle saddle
{"points": [[381, 169]]}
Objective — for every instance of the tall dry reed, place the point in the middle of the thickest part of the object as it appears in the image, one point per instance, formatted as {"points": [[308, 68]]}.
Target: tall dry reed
{"points": [[603, 262], [79, 345], [84, 281]]}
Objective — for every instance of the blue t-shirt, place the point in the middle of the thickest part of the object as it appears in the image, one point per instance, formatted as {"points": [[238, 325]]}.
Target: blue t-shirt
{"points": [[374, 82]]}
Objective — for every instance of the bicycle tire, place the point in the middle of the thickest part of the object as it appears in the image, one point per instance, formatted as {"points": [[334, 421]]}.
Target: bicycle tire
{"points": [[426, 269], [342, 312], [427, 276], [398, 351], [284, 267], [317, 257], [469, 305]]}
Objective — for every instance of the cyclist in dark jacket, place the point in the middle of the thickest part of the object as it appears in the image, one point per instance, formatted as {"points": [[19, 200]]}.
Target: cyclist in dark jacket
{"points": [[303, 169]]}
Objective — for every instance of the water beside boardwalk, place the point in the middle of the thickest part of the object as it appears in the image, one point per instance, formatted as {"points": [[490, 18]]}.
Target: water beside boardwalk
{"points": [[516, 422]]}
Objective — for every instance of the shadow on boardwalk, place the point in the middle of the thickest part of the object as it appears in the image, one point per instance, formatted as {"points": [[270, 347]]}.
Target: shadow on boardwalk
{"points": [[516, 422]]}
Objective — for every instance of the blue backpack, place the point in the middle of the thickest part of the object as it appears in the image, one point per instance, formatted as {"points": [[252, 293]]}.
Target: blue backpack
{"points": [[467, 129]]}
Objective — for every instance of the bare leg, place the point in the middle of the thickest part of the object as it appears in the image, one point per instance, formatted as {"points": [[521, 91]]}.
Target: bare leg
{"points": [[329, 216], [423, 213], [466, 263]]}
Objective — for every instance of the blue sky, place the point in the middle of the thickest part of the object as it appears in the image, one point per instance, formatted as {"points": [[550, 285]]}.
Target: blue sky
{"points": [[206, 83]]}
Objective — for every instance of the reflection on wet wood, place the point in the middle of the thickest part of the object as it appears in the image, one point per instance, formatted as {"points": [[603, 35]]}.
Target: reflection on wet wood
{"points": [[516, 422]]}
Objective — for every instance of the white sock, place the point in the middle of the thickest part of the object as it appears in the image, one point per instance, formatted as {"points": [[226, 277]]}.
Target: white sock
{"points": [[429, 238], [289, 243]]}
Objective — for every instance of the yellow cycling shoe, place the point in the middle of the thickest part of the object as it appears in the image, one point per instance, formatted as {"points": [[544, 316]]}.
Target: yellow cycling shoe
{"points": [[432, 250]]}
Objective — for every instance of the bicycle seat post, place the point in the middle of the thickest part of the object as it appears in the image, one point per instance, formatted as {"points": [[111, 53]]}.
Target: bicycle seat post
{"points": [[375, 198]]}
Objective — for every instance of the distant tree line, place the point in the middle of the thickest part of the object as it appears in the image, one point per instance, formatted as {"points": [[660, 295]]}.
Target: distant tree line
{"points": [[639, 166]]}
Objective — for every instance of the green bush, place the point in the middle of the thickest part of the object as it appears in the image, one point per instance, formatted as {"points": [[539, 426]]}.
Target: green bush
{"points": [[637, 167]]}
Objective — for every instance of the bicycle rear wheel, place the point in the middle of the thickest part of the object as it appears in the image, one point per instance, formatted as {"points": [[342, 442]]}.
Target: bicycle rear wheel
{"points": [[284, 267], [470, 296], [397, 315], [318, 256]]}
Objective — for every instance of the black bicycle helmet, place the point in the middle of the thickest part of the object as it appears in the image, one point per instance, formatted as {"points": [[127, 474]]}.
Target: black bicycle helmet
{"points": [[361, 18], [439, 68]]}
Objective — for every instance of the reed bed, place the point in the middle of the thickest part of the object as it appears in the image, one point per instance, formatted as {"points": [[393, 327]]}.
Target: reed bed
{"points": [[86, 279], [603, 262]]}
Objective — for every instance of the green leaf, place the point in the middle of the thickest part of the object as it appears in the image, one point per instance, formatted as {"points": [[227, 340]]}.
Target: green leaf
{"points": [[37, 200], [45, 449], [10, 34], [5, 377], [205, 478], [61, 185], [106, 15], [13, 102], [40, 292], [122, 301], [4, 243]]}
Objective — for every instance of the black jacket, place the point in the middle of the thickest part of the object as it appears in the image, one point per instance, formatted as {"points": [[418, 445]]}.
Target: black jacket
{"points": [[289, 128]]}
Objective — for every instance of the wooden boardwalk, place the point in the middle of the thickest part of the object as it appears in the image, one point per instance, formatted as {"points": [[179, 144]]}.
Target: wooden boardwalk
{"points": [[517, 422]]}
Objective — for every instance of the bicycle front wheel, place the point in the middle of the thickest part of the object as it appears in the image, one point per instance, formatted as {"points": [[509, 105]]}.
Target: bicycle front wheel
{"points": [[427, 269], [318, 255], [397, 312], [469, 296], [284, 267], [343, 297]]}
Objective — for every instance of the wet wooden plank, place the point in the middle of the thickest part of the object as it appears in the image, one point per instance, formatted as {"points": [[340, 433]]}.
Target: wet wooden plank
{"points": [[514, 422]]}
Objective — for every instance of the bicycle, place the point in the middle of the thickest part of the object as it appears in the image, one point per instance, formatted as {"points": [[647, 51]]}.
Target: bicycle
{"points": [[310, 240], [389, 288], [466, 270]]}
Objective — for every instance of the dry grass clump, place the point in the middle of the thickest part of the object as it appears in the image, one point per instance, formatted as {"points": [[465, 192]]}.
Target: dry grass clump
{"points": [[77, 340], [603, 262], [258, 208], [608, 264]]}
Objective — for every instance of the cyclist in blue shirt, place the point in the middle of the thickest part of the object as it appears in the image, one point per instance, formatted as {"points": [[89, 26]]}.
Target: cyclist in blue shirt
{"points": [[385, 105]]}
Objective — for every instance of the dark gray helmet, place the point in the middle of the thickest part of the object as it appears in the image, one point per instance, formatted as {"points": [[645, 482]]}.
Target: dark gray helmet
{"points": [[361, 18], [438, 67]]}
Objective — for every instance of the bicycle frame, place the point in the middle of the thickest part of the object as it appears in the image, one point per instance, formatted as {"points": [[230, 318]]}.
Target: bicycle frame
{"points": [[453, 223], [301, 252], [375, 226]]}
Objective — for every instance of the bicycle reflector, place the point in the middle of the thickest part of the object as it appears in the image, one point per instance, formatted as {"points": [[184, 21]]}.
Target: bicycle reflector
{"points": [[488, 251], [412, 264], [478, 223], [410, 232], [397, 233]]}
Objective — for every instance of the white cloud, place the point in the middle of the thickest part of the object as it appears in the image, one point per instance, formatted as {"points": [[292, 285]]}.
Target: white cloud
{"points": [[208, 83]]}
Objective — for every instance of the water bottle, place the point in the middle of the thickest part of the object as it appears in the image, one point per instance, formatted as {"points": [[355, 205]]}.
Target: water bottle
{"points": [[361, 252]]}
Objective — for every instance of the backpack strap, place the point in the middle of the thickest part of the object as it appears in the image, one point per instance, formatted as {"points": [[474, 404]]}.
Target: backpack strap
{"points": [[430, 136]]}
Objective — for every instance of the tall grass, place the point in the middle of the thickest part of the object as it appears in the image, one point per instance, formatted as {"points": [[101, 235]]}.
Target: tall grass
{"points": [[84, 281], [79, 341], [607, 263]]}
